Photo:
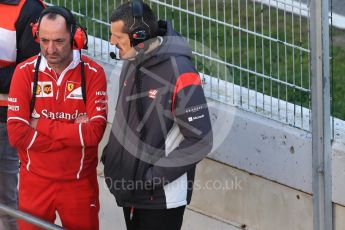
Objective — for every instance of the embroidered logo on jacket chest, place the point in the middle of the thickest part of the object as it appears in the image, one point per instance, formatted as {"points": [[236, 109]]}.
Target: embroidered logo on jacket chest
{"points": [[153, 93], [44, 89], [73, 90]]}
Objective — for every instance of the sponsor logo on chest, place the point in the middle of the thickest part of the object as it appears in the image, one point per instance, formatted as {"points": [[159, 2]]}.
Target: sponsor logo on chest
{"points": [[153, 93], [191, 119], [57, 115], [44, 89], [73, 90]]}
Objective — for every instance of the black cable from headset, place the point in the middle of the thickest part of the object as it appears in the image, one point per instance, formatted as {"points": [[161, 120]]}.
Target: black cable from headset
{"points": [[83, 81], [34, 88]]}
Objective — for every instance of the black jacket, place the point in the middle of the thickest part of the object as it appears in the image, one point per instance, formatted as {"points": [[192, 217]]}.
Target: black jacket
{"points": [[26, 46], [151, 164]]}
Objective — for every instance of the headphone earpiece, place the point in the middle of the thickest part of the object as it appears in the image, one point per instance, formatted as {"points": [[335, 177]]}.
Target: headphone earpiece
{"points": [[79, 36], [138, 36], [139, 31]]}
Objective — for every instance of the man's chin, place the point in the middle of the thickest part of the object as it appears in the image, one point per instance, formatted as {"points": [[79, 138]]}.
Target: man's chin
{"points": [[53, 60], [121, 54], [128, 55]]}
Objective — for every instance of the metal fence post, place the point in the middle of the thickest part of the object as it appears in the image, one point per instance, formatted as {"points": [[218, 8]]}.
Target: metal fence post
{"points": [[28, 218], [321, 131]]}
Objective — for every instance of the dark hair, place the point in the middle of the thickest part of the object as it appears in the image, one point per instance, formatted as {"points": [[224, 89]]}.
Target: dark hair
{"points": [[124, 13], [52, 11]]}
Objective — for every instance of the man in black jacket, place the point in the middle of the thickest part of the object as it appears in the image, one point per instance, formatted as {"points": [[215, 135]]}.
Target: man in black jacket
{"points": [[161, 128], [16, 45]]}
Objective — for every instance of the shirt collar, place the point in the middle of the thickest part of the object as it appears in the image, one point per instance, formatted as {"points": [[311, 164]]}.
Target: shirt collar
{"points": [[75, 61]]}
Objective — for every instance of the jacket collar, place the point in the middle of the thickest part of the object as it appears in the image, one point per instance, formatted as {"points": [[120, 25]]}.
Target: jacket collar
{"points": [[75, 62]]}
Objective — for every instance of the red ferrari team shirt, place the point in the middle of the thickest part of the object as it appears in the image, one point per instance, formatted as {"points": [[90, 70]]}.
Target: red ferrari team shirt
{"points": [[58, 148]]}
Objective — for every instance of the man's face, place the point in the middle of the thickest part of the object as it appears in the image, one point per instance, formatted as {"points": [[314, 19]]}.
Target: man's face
{"points": [[55, 41], [121, 40]]}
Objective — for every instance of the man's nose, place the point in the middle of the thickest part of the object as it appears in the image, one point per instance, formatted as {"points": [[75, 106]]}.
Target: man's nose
{"points": [[51, 47], [113, 41]]}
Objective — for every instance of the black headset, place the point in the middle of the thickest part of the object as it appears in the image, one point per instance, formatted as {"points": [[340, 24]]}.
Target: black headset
{"points": [[78, 33], [139, 30]]}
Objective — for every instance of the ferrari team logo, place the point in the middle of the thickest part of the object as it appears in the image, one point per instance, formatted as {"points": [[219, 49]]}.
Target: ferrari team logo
{"points": [[73, 90], [70, 86]]}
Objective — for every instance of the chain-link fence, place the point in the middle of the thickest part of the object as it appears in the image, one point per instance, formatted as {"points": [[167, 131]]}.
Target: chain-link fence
{"points": [[253, 54]]}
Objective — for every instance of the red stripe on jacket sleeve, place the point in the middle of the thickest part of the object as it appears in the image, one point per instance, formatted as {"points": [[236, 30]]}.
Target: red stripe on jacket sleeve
{"points": [[183, 81]]}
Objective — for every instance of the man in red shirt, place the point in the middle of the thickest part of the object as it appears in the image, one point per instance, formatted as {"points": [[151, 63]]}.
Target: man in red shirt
{"points": [[56, 119]]}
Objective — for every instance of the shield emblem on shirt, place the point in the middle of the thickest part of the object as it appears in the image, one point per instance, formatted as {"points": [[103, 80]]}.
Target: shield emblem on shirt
{"points": [[70, 86], [73, 90]]}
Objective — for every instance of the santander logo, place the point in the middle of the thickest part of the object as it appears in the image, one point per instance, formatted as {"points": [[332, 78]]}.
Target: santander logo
{"points": [[57, 115]]}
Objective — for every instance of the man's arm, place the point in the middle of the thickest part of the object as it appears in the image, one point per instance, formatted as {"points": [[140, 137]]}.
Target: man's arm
{"points": [[20, 134], [192, 116], [84, 133]]}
